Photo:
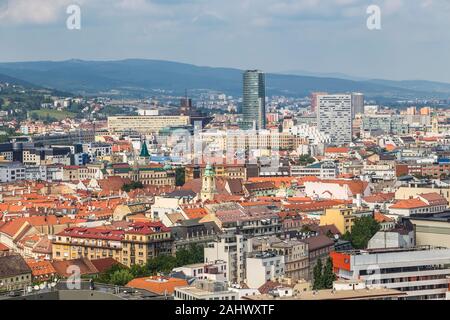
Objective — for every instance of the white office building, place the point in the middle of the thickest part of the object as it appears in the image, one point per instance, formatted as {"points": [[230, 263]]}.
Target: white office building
{"points": [[334, 117], [11, 172], [420, 272]]}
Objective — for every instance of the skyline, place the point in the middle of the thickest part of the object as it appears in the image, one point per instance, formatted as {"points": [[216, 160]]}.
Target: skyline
{"points": [[279, 36]]}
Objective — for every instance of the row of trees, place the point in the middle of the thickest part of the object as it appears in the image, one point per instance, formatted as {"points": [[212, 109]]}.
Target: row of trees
{"points": [[132, 186], [120, 275], [323, 275]]}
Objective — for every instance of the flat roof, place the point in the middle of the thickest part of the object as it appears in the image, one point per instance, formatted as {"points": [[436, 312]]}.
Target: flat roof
{"points": [[361, 294]]}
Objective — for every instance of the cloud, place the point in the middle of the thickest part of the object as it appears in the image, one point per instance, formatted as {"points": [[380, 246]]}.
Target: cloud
{"points": [[33, 11]]}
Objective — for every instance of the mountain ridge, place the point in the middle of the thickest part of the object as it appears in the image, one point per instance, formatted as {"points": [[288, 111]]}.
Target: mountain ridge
{"points": [[141, 76]]}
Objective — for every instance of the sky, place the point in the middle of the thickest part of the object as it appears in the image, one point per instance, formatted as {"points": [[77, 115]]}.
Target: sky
{"points": [[324, 36]]}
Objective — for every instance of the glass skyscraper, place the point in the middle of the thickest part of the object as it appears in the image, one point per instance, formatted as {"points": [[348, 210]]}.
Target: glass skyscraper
{"points": [[254, 100]]}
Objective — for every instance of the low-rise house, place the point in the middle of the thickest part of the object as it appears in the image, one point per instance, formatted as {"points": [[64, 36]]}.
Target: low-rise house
{"points": [[206, 290], [160, 285], [428, 203], [15, 274]]}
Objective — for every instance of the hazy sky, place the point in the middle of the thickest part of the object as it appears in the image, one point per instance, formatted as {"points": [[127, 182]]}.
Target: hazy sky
{"points": [[272, 35]]}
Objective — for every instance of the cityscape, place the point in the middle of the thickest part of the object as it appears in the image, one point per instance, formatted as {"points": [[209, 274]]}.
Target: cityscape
{"points": [[152, 180]]}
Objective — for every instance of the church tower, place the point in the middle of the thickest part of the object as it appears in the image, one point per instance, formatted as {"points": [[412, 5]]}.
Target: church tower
{"points": [[208, 184]]}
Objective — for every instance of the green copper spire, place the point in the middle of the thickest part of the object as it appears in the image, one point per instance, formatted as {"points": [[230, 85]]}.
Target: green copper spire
{"points": [[209, 171], [144, 150]]}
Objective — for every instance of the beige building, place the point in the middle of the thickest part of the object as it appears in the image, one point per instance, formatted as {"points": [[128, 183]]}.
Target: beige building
{"points": [[145, 124], [431, 232], [404, 193]]}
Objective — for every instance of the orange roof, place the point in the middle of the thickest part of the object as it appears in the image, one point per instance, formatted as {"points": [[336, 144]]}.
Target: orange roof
{"points": [[336, 150], [409, 204], [355, 186], [195, 213], [379, 217], [157, 284], [41, 268], [12, 227]]}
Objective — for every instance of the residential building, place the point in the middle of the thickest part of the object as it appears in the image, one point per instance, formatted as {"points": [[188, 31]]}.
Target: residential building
{"points": [[144, 124], [15, 274], [322, 170], [420, 272], [334, 117], [205, 290], [342, 217], [262, 267]]}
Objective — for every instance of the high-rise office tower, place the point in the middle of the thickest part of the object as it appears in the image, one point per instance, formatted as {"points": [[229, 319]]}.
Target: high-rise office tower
{"points": [[357, 104], [334, 117], [254, 100]]}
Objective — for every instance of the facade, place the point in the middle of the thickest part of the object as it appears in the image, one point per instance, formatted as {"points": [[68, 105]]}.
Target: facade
{"points": [[262, 267], [231, 249], [11, 172], [420, 272], [214, 271], [15, 274], [334, 117], [144, 241], [424, 204], [432, 231], [91, 243], [384, 124], [322, 170], [205, 290], [254, 100], [130, 246], [342, 217], [295, 253], [145, 124], [357, 104]]}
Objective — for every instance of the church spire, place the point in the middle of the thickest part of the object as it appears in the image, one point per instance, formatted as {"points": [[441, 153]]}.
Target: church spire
{"points": [[144, 150]]}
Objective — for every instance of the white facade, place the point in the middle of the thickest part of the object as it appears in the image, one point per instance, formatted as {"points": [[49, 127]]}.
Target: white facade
{"points": [[334, 117], [262, 267], [231, 250], [323, 170], [421, 273], [215, 271], [11, 172], [205, 290]]}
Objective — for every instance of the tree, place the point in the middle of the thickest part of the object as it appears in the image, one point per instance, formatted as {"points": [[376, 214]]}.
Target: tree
{"points": [[194, 254], [317, 273], [180, 176], [121, 277], [328, 276], [132, 186], [305, 160], [363, 230]]}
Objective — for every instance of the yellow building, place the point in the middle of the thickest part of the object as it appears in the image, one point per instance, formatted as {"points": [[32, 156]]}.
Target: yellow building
{"points": [[144, 241], [342, 217], [136, 244], [91, 243]]}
